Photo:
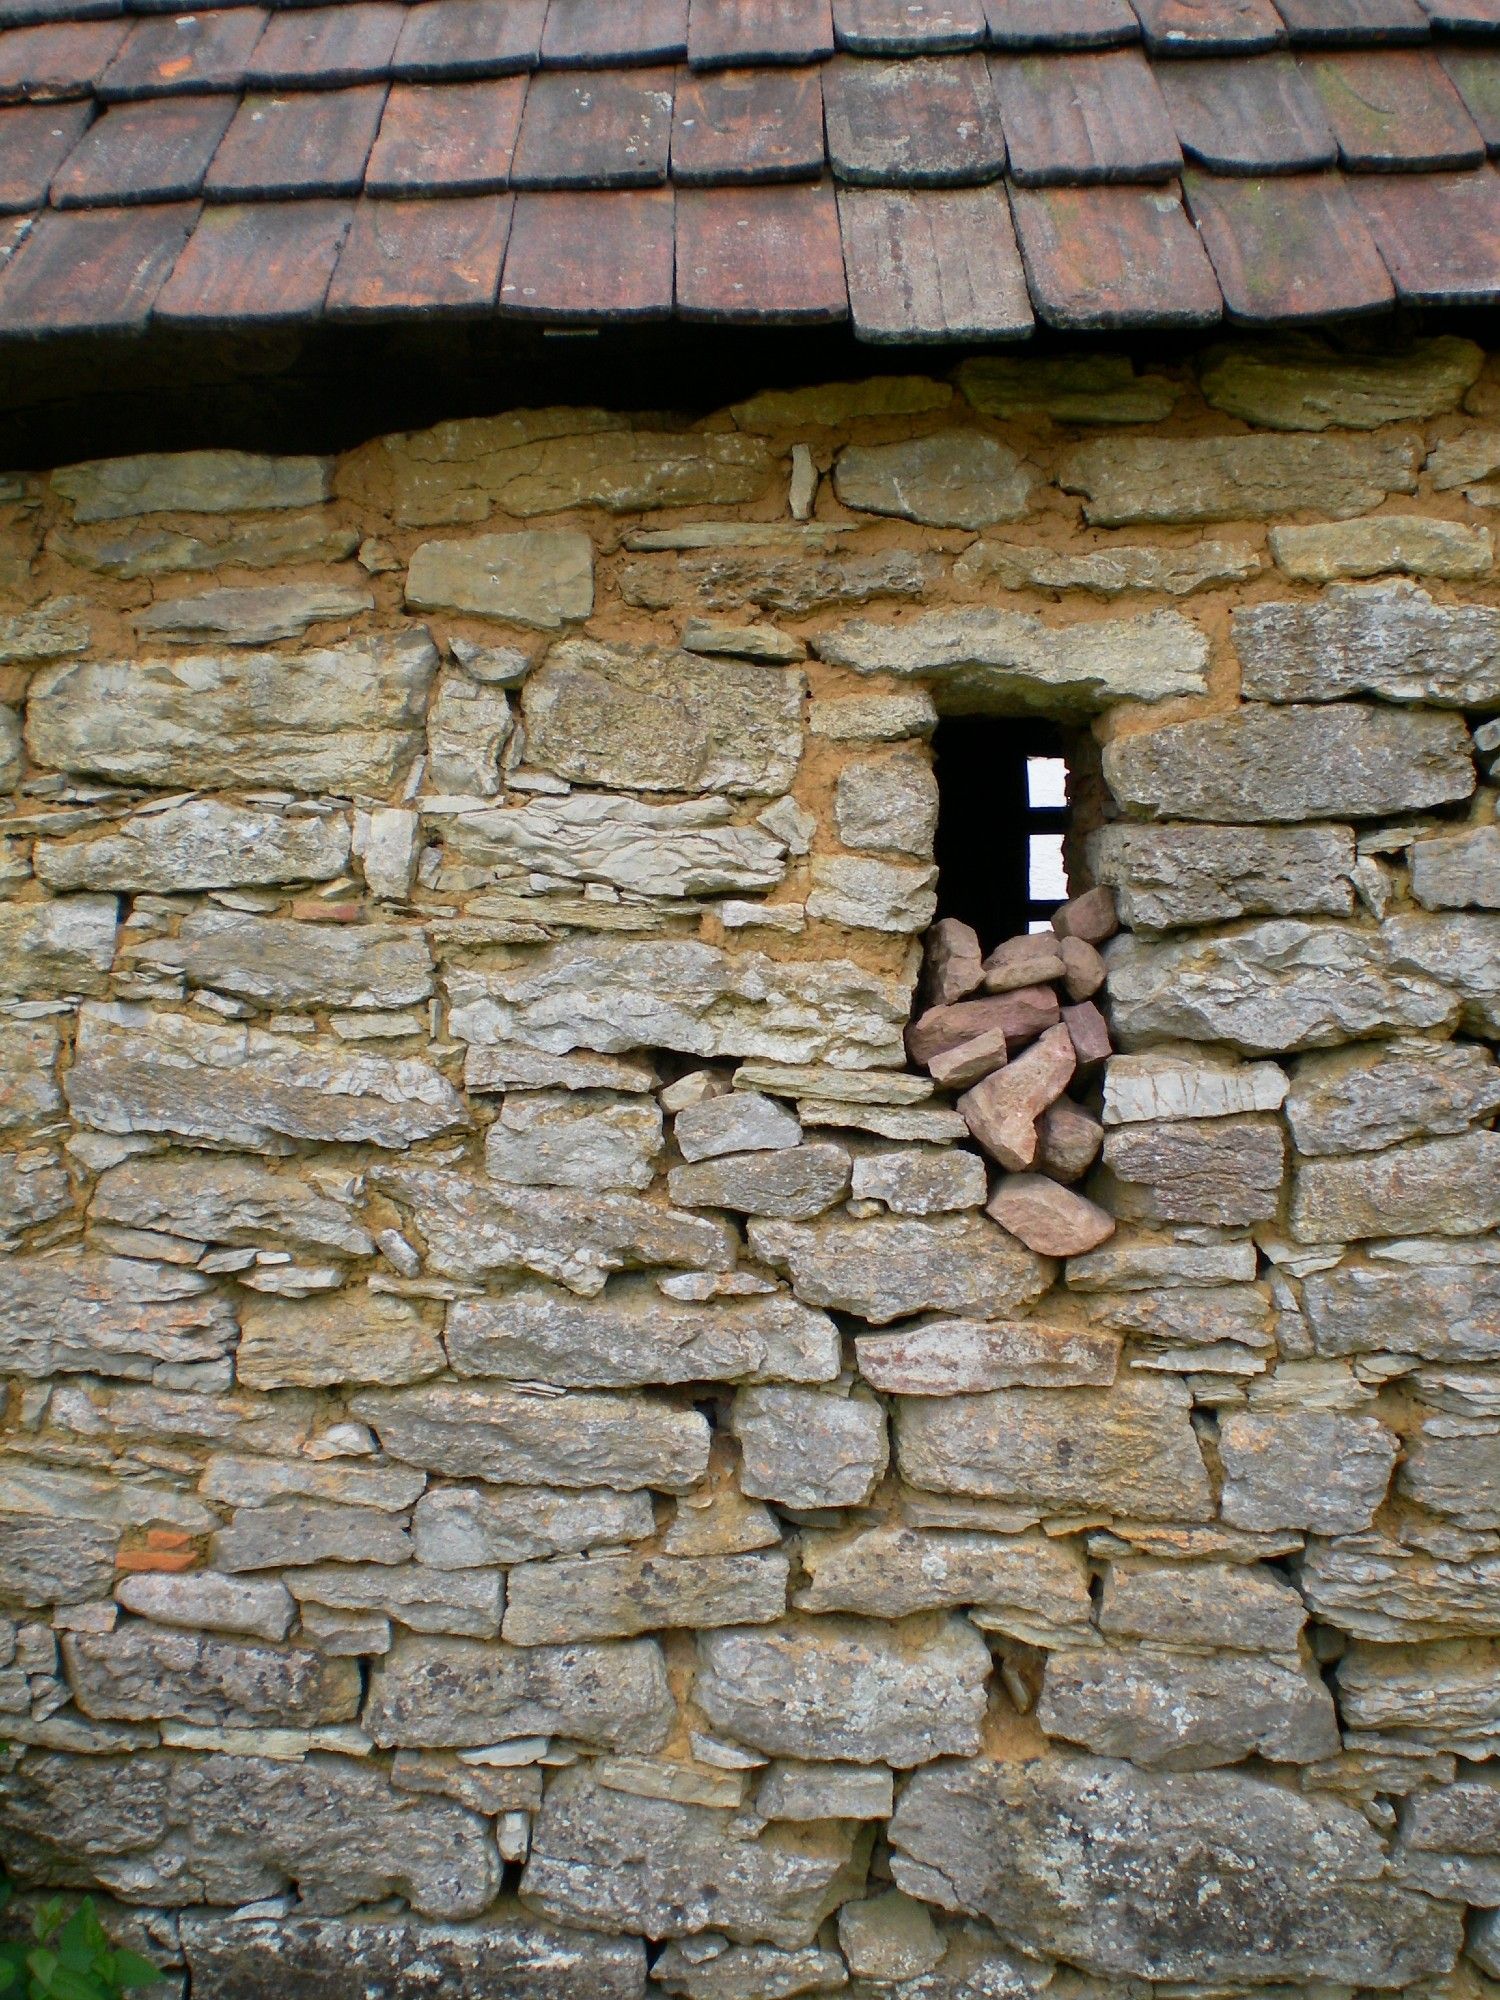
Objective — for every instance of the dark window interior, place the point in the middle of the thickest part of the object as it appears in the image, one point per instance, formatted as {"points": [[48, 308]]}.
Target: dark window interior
{"points": [[998, 839]]}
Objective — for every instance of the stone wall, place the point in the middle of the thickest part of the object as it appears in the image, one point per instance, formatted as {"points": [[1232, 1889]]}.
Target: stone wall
{"points": [[521, 1435]]}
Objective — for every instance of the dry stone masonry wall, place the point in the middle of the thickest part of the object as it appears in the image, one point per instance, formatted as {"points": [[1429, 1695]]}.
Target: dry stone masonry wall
{"points": [[568, 1431]]}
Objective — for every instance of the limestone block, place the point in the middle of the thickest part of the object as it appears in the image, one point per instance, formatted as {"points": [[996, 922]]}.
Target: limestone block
{"points": [[511, 1068], [357, 1958], [1041, 1848], [1164, 1084], [1187, 1315], [1442, 1311], [1129, 1449], [1276, 987], [793, 1790], [224, 1421], [1305, 386], [28, 1072], [345, 1336], [1002, 1109], [920, 1180], [12, 761], [258, 1607], [453, 1693], [142, 1672], [736, 1121], [644, 719], [199, 844], [842, 1688], [748, 1971], [890, 1267], [293, 1533], [136, 1071], [1459, 950], [1304, 1469], [236, 1829], [689, 849], [190, 482], [341, 719], [469, 1527], [1108, 572], [1372, 1587], [872, 895], [950, 479], [809, 1447], [1220, 1171], [743, 642], [1130, 480], [843, 1086], [616, 994], [468, 725], [610, 1597], [873, 718], [889, 1937], [1407, 544], [1140, 1263], [1241, 1607], [531, 577], [631, 1335], [34, 1187], [612, 1860], [1458, 1477], [1166, 876], [960, 1357], [889, 807], [463, 1601], [1051, 1220], [1169, 1711], [574, 1139], [1389, 640], [73, 1311], [514, 1439], [1459, 871], [254, 616], [1262, 763], [1072, 389], [245, 544], [222, 1198], [1429, 1187], [574, 1238], [48, 949], [796, 1183], [892, 1572], [1449, 1845], [58, 1561], [987, 661], [832, 403], [53, 629], [386, 842], [281, 962]]}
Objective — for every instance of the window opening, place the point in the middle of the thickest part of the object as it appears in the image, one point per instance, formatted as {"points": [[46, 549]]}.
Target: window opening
{"points": [[1002, 815]]}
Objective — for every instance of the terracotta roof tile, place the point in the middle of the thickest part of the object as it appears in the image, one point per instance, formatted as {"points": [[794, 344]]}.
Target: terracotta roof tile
{"points": [[1354, 20], [933, 265], [1106, 258], [733, 125], [303, 143], [1472, 17], [1210, 27], [768, 254], [924, 122], [421, 257], [94, 270], [1079, 118], [1061, 24], [327, 46], [590, 257], [725, 34], [470, 38], [1294, 248], [625, 31], [603, 129], [908, 27], [27, 13], [1475, 75], [446, 137], [185, 52], [35, 139], [1248, 115], [1395, 109], [66, 60], [143, 152], [256, 263], [1438, 233]]}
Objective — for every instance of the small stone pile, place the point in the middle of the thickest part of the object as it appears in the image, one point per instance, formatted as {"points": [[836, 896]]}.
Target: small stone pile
{"points": [[1012, 1030]]}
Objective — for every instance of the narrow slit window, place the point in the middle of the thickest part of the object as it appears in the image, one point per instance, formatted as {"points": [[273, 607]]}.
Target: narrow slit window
{"points": [[1002, 816]]}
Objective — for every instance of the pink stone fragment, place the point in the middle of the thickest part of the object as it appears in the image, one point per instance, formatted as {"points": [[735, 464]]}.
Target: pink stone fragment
{"points": [[964, 1357], [1053, 1221], [957, 1068], [1019, 1016], [1090, 1033], [1090, 916], [1023, 961], [955, 965], [1068, 1139], [1003, 1108], [1083, 968]]}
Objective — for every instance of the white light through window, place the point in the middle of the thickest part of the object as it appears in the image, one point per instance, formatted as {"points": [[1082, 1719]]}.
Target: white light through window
{"points": [[1046, 785], [1048, 881]]}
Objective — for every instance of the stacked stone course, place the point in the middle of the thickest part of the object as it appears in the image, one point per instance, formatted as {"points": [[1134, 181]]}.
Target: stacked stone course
{"points": [[579, 1419]]}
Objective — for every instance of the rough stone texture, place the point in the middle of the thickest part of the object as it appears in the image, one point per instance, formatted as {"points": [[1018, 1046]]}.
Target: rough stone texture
{"points": [[467, 1527], [1433, 1187], [1458, 872], [891, 1267], [531, 578], [1404, 543], [1389, 640], [1305, 386], [1358, 1100], [253, 616], [796, 1183], [671, 850], [892, 1572], [140, 1670], [1461, 951], [1304, 1469], [1168, 876], [1222, 1171], [949, 480], [919, 1180], [1192, 1084], [873, 895], [28, 1072], [47, 948], [245, 543], [1208, 1605], [1109, 572], [190, 482], [608, 1597], [889, 808], [277, 963], [261, 1608], [574, 1139], [1072, 389], [223, 1198], [349, 1336], [202, 844], [1438, 1309], [806, 1448], [1129, 480], [74, 1311], [955, 1357]]}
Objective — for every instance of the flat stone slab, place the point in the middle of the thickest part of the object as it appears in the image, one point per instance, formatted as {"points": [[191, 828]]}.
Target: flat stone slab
{"points": [[530, 577], [1389, 640]]}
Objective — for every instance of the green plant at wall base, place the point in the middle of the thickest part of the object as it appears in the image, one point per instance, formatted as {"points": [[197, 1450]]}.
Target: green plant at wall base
{"points": [[68, 1958]]}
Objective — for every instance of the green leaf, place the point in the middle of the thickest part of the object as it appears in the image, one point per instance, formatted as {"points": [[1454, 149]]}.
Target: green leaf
{"points": [[130, 1969]]}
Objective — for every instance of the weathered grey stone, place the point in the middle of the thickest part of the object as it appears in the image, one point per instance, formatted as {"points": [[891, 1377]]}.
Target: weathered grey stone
{"points": [[511, 1438], [793, 1790], [808, 1447], [1024, 1583], [74, 1311], [743, 642], [645, 719], [1129, 1449], [796, 1182], [1109, 572], [843, 1688], [28, 1072], [1166, 876], [632, 1335], [12, 760], [890, 1267], [920, 1180], [199, 844], [736, 1121], [445, 1692], [1306, 385], [345, 1336], [610, 1597], [1438, 1187], [606, 1858], [34, 1187], [1072, 389], [873, 718], [297, 1532], [616, 994], [690, 849], [512, 1068], [1042, 1846], [260, 1607], [992, 661], [468, 1527], [889, 1937], [1460, 871], [280, 962], [1223, 1171], [1274, 987], [244, 543], [531, 577], [382, 1958], [749, 1972], [1407, 544], [1169, 1711], [1389, 640], [230, 1830], [1442, 1311], [1374, 1588], [1449, 1842], [1442, 1694], [574, 1139], [1237, 478], [253, 616], [872, 895], [1238, 1606], [143, 1672], [463, 1601], [1461, 951], [190, 482], [468, 725], [1187, 1316], [1262, 763], [1356, 1100], [223, 1199], [1304, 1469], [344, 719], [136, 1071], [790, 584], [574, 1238], [61, 1561], [888, 808], [951, 479], [1457, 1476], [1139, 1263], [48, 949], [227, 1421], [958, 1357], [846, 1086], [1191, 1084]]}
